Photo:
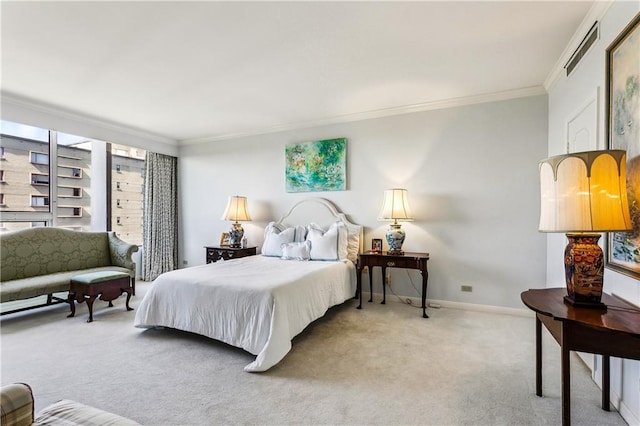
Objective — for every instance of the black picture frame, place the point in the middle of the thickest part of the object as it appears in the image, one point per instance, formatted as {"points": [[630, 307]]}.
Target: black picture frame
{"points": [[623, 132], [376, 245]]}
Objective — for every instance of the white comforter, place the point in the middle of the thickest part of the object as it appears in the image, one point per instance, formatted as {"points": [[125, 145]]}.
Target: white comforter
{"points": [[256, 303]]}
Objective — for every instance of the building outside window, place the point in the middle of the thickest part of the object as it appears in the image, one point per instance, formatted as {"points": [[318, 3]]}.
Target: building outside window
{"points": [[128, 165], [39, 158], [36, 172], [38, 179], [39, 201]]}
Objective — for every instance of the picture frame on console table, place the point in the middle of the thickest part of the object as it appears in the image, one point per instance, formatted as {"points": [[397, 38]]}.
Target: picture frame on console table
{"points": [[623, 132], [225, 239], [376, 245]]}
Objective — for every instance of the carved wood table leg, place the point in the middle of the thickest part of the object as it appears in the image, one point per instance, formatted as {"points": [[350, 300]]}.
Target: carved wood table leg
{"points": [[126, 304], [370, 270], [72, 304], [89, 301]]}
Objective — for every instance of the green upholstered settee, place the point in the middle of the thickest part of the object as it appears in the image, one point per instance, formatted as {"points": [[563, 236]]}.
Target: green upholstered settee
{"points": [[18, 410], [41, 261]]}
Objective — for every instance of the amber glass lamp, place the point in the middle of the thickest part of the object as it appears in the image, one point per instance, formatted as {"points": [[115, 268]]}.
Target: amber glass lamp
{"points": [[236, 211], [583, 194]]}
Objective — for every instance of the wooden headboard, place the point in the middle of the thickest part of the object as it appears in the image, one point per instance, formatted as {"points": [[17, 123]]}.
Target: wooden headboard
{"points": [[321, 211]]}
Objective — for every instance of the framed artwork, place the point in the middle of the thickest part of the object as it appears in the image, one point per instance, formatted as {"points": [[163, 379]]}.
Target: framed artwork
{"points": [[316, 166], [225, 240], [623, 132], [376, 245]]}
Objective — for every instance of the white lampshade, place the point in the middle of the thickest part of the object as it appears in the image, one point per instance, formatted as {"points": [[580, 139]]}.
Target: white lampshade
{"points": [[584, 192], [395, 206], [236, 209]]}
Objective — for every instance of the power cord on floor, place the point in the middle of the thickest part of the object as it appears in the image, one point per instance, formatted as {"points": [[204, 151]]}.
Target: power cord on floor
{"points": [[406, 300]]}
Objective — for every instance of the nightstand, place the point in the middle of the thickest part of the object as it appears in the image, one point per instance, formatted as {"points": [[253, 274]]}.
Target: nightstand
{"points": [[385, 260], [225, 253]]}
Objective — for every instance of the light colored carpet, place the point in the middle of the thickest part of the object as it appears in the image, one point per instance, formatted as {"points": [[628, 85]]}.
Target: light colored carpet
{"points": [[384, 364]]}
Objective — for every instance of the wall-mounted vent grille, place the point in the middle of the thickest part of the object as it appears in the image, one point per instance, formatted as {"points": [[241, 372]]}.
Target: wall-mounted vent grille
{"points": [[584, 47]]}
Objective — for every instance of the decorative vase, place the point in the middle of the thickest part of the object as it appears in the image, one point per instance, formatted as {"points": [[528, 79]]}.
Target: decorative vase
{"points": [[395, 237], [584, 270], [235, 235]]}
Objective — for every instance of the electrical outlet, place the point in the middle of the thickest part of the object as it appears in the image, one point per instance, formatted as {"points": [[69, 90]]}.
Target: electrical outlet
{"points": [[184, 262], [466, 288]]}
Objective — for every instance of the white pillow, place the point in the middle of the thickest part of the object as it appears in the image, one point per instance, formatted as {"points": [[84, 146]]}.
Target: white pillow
{"points": [[353, 244], [330, 245], [301, 234], [274, 238], [297, 251]]}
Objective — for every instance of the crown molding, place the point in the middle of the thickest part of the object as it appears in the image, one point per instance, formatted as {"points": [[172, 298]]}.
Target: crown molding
{"points": [[596, 13], [385, 112], [16, 104]]}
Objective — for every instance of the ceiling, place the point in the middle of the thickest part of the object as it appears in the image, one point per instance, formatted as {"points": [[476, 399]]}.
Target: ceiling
{"points": [[203, 71]]}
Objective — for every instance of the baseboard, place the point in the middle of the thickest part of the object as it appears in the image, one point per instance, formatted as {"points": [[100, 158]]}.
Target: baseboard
{"points": [[627, 414], [434, 303]]}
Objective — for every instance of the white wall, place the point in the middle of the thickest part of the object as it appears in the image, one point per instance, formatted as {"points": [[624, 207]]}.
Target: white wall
{"points": [[567, 96], [472, 178]]}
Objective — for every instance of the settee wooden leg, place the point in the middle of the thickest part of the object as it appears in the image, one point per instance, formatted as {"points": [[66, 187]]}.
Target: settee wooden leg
{"points": [[133, 286], [72, 304]]}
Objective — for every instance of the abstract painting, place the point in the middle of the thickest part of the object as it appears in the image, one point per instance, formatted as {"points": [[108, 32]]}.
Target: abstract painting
{"points": [[623, 132], [316, 166]]}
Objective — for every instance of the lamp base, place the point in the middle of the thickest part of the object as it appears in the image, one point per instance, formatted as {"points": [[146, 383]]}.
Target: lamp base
{"points": [[235, 235], [395, 237], [591, 305], [396, 252], [584, 270]]}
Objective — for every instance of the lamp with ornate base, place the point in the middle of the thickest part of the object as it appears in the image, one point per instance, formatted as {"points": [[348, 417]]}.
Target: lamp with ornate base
{"points": [[582, 194], [395, 206], [237, 211]]}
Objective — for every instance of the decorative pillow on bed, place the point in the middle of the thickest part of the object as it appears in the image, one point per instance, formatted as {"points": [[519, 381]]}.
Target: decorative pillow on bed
{"points": [[274, 238], [353, 244], [297, 251], [329, 245], [301, 234]]}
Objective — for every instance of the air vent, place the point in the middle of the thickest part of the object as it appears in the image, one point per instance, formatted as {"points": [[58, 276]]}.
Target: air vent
{"points": [[584, 47]]}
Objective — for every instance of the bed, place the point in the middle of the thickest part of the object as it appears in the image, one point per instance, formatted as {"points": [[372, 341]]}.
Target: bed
{"points": [[259, 303]]}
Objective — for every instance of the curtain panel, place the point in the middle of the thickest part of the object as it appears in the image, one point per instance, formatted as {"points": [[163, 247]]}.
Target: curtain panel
{"points": [[160, 217]]}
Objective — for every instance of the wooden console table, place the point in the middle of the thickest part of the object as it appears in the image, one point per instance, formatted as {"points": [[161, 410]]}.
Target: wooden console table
{"points": [[611, 332], [386, 260]]}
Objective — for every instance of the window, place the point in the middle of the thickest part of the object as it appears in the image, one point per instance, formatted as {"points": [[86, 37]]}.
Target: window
{"points": [[77, 211], [118, 203], [39, 201], [118, 169], [69, 172], [118, 186], [1, 199], [2, 176], [39, 179], [38, 224], [118, 221], [1, 152], [39, 158], [69, 192]]}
